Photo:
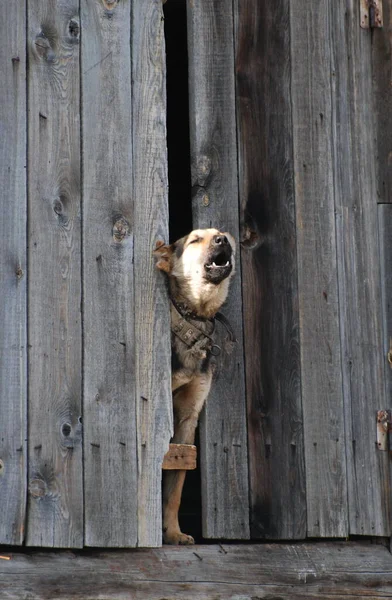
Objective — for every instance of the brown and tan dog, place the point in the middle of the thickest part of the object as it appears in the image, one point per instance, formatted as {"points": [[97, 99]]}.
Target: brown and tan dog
{"points": [[199, 267]]}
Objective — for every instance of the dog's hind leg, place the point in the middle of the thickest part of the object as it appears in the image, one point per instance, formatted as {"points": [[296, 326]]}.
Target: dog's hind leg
{"points": [[188, 402]]}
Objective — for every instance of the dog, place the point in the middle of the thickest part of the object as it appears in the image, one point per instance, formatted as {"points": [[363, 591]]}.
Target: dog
{"points": [[199, 268]]}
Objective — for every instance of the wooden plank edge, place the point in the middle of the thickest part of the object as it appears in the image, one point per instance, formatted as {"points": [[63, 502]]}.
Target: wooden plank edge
{"points": [[182, 457]]}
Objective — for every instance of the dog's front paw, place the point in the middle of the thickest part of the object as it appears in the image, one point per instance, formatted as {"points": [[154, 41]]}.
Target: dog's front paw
{"points": [[178, 538]]}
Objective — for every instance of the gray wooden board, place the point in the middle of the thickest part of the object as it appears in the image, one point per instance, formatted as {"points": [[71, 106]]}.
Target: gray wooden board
{"points": [[109, 411], [322, 394], [224, 463], [269, 269], [333, 571], [385, 229], [13, 278], [55, 507], [151, 216], [381, 52], [355, 187]]}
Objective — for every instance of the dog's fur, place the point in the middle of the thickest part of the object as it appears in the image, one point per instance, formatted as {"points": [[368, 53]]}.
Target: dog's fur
{"points": [[199, 267]]}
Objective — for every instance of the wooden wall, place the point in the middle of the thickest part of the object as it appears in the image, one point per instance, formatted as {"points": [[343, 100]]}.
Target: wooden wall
{"points": [[89, 106], [289, 113], [314, 129]]}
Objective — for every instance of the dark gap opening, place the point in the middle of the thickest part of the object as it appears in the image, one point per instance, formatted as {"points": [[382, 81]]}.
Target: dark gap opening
{"points": [[178, 142], [180, 199]]}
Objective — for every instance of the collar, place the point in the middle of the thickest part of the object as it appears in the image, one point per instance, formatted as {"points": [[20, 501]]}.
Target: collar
{"points": [[184, 327], [189, 333]]}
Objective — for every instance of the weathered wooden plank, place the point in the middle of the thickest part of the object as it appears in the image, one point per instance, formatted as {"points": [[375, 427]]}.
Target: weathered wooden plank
{"points": [[215, 203], [269, 263], [108, 244], [344, 571], [381, 68], [385, 229], [355, 188], [152, 319], [180, 456], [322, 395], [13, 330], [55, 515]]}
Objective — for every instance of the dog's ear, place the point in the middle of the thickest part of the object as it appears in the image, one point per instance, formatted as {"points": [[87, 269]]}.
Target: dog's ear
{"points": [[163, 253]]}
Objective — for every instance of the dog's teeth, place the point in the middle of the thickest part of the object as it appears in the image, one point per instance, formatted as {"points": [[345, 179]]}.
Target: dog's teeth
{"points": [[227, 264], [213, 264]]}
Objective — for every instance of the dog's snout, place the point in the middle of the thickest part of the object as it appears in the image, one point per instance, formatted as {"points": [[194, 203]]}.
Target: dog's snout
{"points": [[220, 240]]}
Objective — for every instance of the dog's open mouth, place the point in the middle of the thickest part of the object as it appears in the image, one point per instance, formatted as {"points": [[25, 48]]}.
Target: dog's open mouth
{"points": [[219, 265]]}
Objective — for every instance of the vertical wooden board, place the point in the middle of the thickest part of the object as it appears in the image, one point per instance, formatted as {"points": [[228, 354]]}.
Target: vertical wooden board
{"points": [[269, 268], [381, 58], [152, 318], [359, 271], [322, 392], [109, 412], [215, 204], [13, 334], [385, 229], [55, 509]]}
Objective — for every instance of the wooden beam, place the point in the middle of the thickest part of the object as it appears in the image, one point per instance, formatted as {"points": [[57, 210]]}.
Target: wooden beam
{"points": [[269, 270], [358, 251], [180, 457], [13, 277], [321, 360], [381, 73], [154, 405], [55, 508], [109, 419], [319, 571], [223, 432], [385, 229]]}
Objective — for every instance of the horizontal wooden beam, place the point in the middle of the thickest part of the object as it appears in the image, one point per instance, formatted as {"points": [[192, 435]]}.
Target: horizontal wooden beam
{"points": [[312, 571], [180, 456]]}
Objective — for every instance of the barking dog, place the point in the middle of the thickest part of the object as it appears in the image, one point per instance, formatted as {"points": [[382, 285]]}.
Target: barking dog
{"points": [[199, 267]]}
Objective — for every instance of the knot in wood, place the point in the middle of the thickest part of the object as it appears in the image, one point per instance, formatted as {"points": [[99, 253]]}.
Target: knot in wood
{"points": [[2, 468], [74, 28], [37, 488], [120, 229], [58, 206], [66, 429], [203, 170], [110, 4], [250, 238], [43, 47], [19, 272]]}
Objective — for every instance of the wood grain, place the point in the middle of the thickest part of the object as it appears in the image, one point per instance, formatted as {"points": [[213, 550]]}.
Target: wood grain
{"points": [[13, 330], [333, 571], [381, 69], [385, 229], [224, 463], [55, 514], [322, 395], [269, 267], [110, 478], [152, 319], [355, 188]]}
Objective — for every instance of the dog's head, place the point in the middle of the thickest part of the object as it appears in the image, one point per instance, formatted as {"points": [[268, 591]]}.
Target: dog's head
{"points": [[201, 264]]}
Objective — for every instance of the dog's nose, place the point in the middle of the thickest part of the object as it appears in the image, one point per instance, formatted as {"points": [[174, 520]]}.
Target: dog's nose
{"points": [[220, 240]]}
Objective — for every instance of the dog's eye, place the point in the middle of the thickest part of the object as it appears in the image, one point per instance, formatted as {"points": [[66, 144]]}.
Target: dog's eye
{"points": [[195, 240]]}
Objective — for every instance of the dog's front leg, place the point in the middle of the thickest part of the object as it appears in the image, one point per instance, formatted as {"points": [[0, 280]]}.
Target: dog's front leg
{"points": [[188, 402]]}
